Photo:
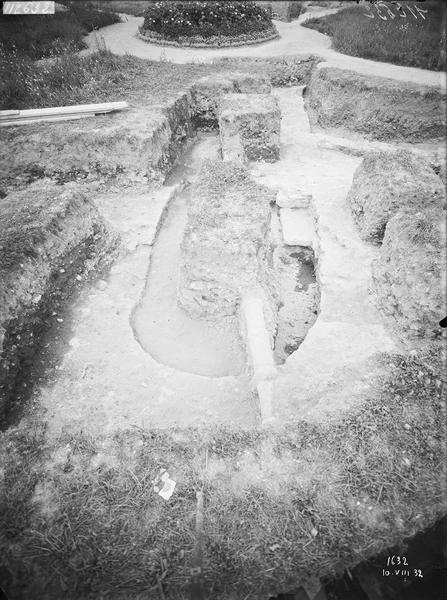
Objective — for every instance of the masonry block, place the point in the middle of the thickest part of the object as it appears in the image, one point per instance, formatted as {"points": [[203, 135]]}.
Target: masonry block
{"points": [[205, 95], [207, 92], [226, 248]]}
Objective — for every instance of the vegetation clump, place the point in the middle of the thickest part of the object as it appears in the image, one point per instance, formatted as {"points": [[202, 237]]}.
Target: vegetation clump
{"points": [[413, 41], [79, 517], [203, 21]]}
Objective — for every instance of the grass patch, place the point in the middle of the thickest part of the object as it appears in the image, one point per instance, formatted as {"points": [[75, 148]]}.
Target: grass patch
{"points": [[72, 79], [425, 231], [19, 475], [40, 36], [306, 500], [403, 41]]}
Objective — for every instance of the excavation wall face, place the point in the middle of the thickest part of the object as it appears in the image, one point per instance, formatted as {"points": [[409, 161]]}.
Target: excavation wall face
{"points": [[409, 276], [255, 121], [129, 146], [376, 107], [388, 181], [48, 246], [205, 98], [208, 91], [226, 249]]}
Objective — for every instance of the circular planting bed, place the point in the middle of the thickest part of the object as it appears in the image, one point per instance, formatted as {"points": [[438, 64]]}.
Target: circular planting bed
{"points": [[206, 24]]}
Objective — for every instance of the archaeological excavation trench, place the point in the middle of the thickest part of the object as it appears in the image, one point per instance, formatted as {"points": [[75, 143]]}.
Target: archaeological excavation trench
{"points": [[225, 298], [224, 295], [254, 284], [243, 281]]}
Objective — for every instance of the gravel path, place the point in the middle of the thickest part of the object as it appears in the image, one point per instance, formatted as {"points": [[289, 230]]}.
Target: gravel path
{"points": [[121, 38]]}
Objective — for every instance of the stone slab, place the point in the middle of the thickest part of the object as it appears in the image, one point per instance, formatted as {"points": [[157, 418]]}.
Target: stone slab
{"points": [[295, 198], [297, 227]]}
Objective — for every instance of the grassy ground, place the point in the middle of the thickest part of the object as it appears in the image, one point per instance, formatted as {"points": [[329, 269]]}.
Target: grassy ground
{"points": [[38, 36], [403, 41], [80, 519], [73, 79]]}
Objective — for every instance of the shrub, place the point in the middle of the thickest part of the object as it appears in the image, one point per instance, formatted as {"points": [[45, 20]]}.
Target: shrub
{"points": [[296, 8], [206, 19]]}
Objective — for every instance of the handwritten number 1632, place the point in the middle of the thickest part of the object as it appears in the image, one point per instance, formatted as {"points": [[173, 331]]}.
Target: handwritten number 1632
{"points": [[396, 560]]}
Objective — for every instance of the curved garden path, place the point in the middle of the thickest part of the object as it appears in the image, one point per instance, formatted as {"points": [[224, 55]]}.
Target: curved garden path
{"points": [[121, 38]]}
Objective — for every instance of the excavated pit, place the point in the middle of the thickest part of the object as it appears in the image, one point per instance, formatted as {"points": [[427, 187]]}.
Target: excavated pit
{"points": [[214, 347], [161, 326], [299, 299]]}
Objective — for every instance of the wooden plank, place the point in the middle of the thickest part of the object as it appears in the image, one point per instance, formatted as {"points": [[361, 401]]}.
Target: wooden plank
{"points": [[63, 110], [49, 117], [60, 110], [17, 122]]}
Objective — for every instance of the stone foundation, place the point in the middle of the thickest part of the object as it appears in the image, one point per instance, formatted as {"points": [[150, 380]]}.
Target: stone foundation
{"points": [[226, 249]]}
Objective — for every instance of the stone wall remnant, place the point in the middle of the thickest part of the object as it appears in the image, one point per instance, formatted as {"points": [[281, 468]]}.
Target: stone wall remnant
{"points": [[409, 277], [226, 248], [386, 182]]}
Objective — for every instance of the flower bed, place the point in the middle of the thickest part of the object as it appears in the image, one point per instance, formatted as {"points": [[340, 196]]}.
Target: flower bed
{"points": [[206, 24], [214, 41]]}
